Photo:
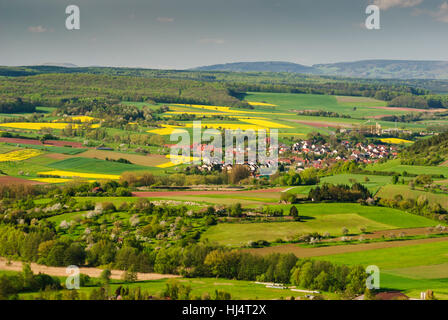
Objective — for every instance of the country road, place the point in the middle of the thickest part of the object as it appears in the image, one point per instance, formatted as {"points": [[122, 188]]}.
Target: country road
{"points": [[91, 272]]}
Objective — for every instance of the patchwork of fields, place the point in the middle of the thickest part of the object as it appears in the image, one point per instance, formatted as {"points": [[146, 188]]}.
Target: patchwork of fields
{"points": [[414, 264]]}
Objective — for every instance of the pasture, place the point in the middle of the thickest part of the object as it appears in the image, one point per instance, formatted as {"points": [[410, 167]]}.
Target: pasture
{"points": [[89, 165], [396, 166], [412, 268], [390, 191], [321, 218]]}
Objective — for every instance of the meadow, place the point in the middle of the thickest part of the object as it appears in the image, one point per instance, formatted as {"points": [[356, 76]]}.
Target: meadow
{"points": [[411, 268], [321, 218], [390, 191], [396, 166]]}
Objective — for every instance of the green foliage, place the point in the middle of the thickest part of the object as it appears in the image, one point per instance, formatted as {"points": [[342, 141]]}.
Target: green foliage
{"points": [[339, 193], [325, 276], [427, 152]]}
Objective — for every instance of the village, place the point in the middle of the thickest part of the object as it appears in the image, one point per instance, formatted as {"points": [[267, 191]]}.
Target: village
{"points": [[306, 154]]}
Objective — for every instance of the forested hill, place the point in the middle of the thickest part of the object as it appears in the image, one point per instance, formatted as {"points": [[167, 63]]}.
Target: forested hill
{"points": [[387, 69], [432, 151], [55, 89], [268, 66]]}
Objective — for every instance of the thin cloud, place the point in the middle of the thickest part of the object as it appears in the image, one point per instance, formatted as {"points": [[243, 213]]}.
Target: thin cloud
{"points": [[440, 15], [211, 41], [165, 20], [37, 29], [387, 4]]}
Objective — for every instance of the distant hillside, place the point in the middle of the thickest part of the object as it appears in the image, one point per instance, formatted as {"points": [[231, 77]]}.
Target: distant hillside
{"points": [[62, 64], [387, 69], [266, 66], [374, 69], [432, 151], [58, 89]]}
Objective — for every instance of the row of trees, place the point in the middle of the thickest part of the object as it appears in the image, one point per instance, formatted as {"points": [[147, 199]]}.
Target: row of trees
{"points": [[339, 193]]}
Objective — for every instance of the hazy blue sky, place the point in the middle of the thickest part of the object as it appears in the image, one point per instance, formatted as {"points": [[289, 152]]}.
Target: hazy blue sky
{"points": [[188, 33]]}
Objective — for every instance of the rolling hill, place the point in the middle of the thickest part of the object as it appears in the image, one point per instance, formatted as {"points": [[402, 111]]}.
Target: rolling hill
{"points": [[376, 69], [265, 66]]}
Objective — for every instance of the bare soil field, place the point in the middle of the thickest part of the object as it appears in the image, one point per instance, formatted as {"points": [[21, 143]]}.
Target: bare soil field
{"points": [[322, 124], [330, 250], [148, 194], [60, 143], [5, 180], [91, 272], [350, 99], [150, 160], [58, 156], [57, 143], [395, 232], [409, 109]]}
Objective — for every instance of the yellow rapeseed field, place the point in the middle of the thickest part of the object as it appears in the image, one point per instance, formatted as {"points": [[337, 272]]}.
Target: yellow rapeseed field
{"points": [[218, 108], [51, 180], [176, 160], [70, 174], [83, 119], [261, 104], [228, 126], [19, 155], [395, 141], [165, 130], [40, 125], [266, 124]]}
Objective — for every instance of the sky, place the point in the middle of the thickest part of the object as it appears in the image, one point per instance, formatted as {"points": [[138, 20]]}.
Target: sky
{"points": [[180, 34]]}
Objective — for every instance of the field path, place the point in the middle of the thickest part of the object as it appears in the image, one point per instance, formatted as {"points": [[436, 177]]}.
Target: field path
{"points": [[149, 194], [91, 272], [324, 251]]}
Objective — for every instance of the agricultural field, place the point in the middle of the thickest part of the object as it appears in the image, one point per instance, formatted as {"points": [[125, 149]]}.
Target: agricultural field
{"points": [[96, 181], [412, 268], [391, 191], [321, 218], [372, 182], [396, 166]]}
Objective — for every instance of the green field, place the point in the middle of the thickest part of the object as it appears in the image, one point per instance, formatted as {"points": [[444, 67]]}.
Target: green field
{"points": [[322, 218], [412, 268], [63, 150], [290, 101], [396, 166], [239, 290], [390, 191], [373, 184], [89, 165]]}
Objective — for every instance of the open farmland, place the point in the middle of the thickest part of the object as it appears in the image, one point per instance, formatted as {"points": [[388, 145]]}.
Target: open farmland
{"points": [[411, 267], [164, 215], [391, 191], [395, 166], [152, 160], [89, 165], [19, 155], [321, 218]]}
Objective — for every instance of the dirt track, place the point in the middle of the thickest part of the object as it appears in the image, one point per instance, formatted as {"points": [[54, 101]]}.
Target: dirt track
{"points": [[91, 272], [323, 251]]}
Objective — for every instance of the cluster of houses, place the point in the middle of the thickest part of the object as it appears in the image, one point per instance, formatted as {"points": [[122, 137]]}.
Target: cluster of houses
{"points": [[307, 154], [302, 155]]}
